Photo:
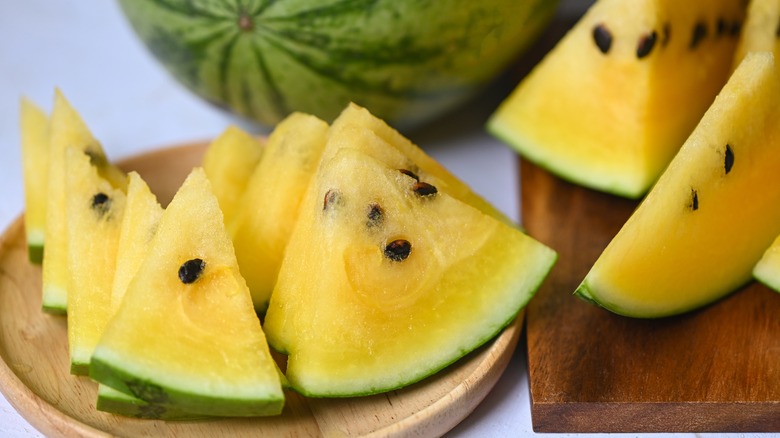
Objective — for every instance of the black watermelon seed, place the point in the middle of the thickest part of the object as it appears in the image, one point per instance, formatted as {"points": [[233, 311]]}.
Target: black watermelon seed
{"points": [[424, 189], [375, 215], [602, 37], [410, 174], [699, 33], [722, 27], [736, 27], [332, 197], [190, 270], [729, 159], [101, 203], [646, 43], [694, 200], [667, 32], [398, 250]]}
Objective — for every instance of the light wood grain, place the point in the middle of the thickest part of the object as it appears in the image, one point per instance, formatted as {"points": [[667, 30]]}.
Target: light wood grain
{"points": [[34, 370], [713, 370]]}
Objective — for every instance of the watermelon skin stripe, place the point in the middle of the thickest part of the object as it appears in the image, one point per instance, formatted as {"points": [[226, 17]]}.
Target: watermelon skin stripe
{"points": [[336, 75], [224, 65], [264, 59], [276, 97], [187, 8]]}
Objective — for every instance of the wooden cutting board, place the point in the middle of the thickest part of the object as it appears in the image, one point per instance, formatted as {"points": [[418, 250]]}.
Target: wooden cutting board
{"points": [[713, 370]]}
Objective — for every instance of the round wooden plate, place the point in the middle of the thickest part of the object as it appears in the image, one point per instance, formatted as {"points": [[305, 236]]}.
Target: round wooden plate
{"points": [[34, 370]]}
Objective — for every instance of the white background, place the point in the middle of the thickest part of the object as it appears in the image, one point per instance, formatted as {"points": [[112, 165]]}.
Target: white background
{"points": [[132, 105]]}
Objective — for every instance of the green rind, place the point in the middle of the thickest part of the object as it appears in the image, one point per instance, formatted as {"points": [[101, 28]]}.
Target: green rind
{"points": [[316, 57], [116, 376], [588, 293], [115, 402], [35, 253], [78, 367]]}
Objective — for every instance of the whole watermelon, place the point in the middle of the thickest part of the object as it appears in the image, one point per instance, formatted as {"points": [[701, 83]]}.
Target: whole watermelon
{"points": [[405, 60]]}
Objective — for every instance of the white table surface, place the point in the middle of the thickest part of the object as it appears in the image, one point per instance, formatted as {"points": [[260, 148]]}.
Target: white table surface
{"points": [[132, 105]]}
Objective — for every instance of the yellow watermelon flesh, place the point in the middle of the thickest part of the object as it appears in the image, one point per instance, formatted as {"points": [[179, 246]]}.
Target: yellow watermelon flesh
{"points": [[385, 142], [613, 102], [705, 225], [186, 336], [356, 128], [141, 218], [66, 129], [34, 124], [229, 162], [95, 213], [269, 205], [387, 280]]}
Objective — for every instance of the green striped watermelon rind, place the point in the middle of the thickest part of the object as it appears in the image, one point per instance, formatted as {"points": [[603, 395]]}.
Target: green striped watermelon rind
{"points": [[406, 61]]}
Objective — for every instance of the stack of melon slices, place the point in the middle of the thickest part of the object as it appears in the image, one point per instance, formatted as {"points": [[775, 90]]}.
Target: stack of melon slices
{"points": [[610, 107], [377, 266]]}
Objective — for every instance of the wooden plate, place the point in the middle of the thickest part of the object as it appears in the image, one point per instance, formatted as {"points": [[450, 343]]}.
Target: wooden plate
{"points": [[34, 370]]}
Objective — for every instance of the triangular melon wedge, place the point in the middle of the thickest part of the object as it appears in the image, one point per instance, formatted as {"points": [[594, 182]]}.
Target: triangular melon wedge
{"points": [[357, 129], [95, 213], [141, 219], [611, 104], [67, 129], [186, 335], [269, 205], [34, 124], [229, 162], [704, 226], [761, 32], [388, 280]]}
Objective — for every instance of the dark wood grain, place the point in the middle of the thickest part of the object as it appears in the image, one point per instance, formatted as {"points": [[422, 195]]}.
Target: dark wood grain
{"points": [[716, 369]]}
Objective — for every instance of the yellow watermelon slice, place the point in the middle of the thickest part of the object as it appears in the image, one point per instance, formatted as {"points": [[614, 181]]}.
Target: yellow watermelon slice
{"points": [[712, 214], [387, 280]]}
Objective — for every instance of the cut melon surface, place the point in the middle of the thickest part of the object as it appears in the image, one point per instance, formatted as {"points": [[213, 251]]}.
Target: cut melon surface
{"points": [[95, 212], [34, 128], [139, 225], [229, 162], [613, 102], [186, 335], [698, 234], [387, 144], [386, 280], [270, 202], [67, 129], [357, 129]]}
